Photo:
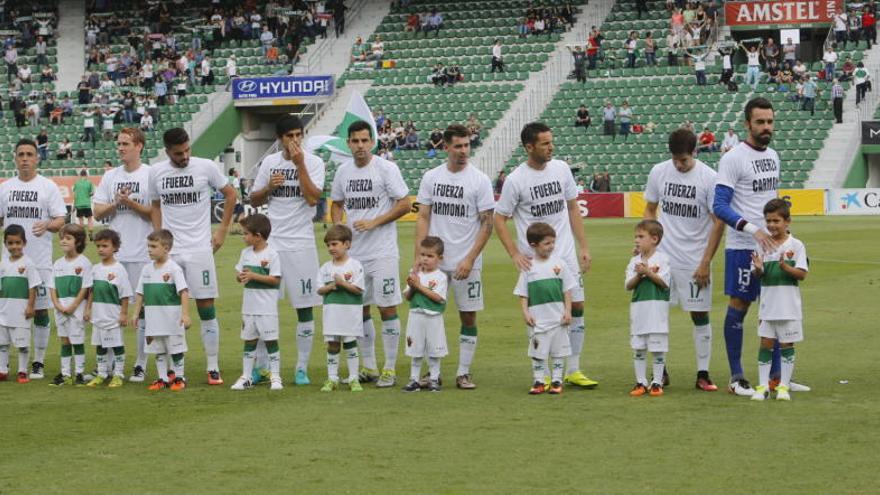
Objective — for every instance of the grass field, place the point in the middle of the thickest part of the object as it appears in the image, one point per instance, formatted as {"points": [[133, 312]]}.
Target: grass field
{"points": [[496, 439]]}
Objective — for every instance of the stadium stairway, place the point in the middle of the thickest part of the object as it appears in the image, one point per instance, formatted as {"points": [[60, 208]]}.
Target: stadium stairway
{"points": [[539, 90], [71, 44], [842, 144]]}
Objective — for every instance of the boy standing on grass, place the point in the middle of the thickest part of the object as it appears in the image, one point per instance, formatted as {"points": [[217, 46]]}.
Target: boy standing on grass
{"points": [[107, 308], [19, 280], [544, 292], [68, 288], [780, 270], [425, 330], [163, 294], [259, 269], [648, 276], [342, 287]]}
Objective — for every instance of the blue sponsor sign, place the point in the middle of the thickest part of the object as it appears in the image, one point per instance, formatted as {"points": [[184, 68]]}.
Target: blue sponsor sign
{"points": [[248, 88]]}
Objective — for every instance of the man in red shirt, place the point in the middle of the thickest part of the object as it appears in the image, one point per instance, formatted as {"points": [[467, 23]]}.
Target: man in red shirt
{"points": [[707, 141], [594, 42], [869, 27]]}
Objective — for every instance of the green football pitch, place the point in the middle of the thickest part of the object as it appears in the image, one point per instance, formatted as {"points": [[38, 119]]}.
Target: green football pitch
{"points": [[495, 438]]}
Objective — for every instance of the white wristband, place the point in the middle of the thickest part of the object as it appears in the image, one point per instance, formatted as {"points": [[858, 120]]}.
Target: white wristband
{"points": [[750, 228]]}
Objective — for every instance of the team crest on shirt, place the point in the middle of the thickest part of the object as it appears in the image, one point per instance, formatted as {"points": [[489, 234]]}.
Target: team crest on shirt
{"points": [[655, 268], [432, 284], [111, 276], [557, 269], [78, 270], [789, 254], [21, 269], [264, 263], [347, 276], [166, 276]]}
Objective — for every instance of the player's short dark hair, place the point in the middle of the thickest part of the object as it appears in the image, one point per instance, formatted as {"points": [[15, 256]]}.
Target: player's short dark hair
{"points": [[434, 243], [83, 173], [778, 206], [25, 142], [174, 137], [754, 103], [288, 123], [339, 233], [455, 130], [14, 230], [108, 235], [359, 125], [78, 233], [258, 224], [682, 141], [539, 231], [529, 134], [163, 237], [652, 227]]}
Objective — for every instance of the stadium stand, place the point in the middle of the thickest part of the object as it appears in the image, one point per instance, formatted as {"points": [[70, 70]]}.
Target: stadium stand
{"points": [[664, 97]]}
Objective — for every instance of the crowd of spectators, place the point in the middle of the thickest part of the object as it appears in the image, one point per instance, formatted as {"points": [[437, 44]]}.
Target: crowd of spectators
{"points": [[546, 20], [400, 135]]}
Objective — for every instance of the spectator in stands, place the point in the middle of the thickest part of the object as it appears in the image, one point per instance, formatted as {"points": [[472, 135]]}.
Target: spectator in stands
{"points": [[411, 141], [231, 67], [19, 109], [811, 91], [181, 88], [594, 182], [580, 64], [753, 73], [650, 49], [539, 26], [435, 23], [10, 56], [773, 73], [609, 116], [377, 49], [386, 138], [499, 181], [108, 116], [453, 74], [497, 61], [435, 142], [830, 60], [730, 140], [625, 114], [631, 44], [438, 75], [699, 65], [47, 75], [40, 48], [33, 112], [676, 22], [673, 44], [840, 28], [412, 23], [769, 51], [606, 182], [2, 114], [474, 126], [272, 57], [869, 27], [837, 100], [65, 150], [862, 80], [161, 90], [43, 144], [206, 72], [146, 123], [799, 70], [594, 43], [359, 50], [24, 73], [706, 141], [582, 118], [267, 40], [789, 53], [89, 133], [153, 109], [847, 70]]}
